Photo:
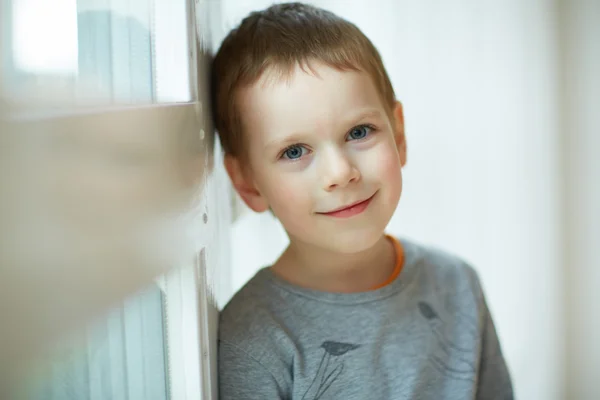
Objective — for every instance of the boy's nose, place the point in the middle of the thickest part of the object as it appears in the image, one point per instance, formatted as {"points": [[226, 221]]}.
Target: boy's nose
{"points": [[338, 170]]}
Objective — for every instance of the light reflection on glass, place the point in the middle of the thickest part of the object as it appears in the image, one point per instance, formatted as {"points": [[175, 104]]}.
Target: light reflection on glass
{"points": [[45, 36]]}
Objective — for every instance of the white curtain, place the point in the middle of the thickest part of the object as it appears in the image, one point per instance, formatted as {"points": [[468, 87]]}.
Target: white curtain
{"points": [[482, 87]]}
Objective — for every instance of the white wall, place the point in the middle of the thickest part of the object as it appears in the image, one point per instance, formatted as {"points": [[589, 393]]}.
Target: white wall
{"points": [[480, 82], [582, 194]]}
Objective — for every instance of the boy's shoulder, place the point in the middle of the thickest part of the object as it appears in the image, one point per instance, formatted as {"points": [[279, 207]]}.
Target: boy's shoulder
{"points": [[254, 323], [251, 312], [441, 271], [436, 264]]}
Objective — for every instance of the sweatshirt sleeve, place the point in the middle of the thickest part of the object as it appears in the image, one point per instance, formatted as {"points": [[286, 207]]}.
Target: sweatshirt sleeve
{"points": [[494, 382], [245, 378]]}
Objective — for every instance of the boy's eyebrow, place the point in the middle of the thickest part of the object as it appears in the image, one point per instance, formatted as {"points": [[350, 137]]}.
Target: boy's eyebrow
{"points": [[300, 136], [366, 113]]}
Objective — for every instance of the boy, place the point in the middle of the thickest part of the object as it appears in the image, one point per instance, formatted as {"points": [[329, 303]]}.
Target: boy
{"points": [[312, 131]]}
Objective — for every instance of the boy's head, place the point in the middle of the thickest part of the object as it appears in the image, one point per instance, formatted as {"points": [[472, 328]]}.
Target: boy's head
{"points": [[310, 124]]}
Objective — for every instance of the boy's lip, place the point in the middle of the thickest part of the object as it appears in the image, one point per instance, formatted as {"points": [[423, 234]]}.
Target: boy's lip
{"points": [[363, 203]]}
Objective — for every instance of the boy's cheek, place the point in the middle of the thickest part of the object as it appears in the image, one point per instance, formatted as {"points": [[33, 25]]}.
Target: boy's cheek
{"points": [[389, 175], [392, 167], [286, 196], [384, 166]]}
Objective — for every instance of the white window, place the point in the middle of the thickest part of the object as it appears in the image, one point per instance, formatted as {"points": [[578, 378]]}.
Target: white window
{"points": [[114, 92], [97, 52]]}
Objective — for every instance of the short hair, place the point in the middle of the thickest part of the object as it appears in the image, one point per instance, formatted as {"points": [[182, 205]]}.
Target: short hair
{"points": [[278, 39]]}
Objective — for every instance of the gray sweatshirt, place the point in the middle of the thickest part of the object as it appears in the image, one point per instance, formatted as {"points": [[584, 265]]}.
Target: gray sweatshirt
{"points": [[426, 335]]}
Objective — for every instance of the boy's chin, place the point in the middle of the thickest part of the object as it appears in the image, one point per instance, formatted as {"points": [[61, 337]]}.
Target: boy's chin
{"points": [[347, 242]]}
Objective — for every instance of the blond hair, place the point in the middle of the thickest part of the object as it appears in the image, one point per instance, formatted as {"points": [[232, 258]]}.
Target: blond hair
{"points": [[278, 39]]}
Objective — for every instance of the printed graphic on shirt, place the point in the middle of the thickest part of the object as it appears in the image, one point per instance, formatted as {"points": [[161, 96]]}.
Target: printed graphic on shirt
{"points": [[330, 368], [461, 365]]}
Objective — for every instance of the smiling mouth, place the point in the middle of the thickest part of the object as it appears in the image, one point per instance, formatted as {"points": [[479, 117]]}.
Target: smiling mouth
{"points": [[350, 210]]}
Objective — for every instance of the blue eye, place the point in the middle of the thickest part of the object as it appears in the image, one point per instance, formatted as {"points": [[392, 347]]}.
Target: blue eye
{"points": [[359, 132], [294, 152]]}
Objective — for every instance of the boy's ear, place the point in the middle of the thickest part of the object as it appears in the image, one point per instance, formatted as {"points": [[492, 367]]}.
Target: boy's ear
{"points": [[399, 132], [244, 185]]}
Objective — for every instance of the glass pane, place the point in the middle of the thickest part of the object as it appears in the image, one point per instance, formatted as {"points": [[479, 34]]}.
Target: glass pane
{"points": [[95, 52], [123, 356]]}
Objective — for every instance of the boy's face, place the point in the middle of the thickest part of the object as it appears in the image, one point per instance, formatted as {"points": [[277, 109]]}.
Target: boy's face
{"points": [[317, 143]]}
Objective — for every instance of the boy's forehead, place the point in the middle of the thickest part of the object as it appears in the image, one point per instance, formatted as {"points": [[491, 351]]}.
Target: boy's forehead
{"points": [[306, 99]]}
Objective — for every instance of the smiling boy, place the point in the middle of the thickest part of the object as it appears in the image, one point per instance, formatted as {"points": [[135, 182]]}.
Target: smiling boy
{"points": [[312, 130]]}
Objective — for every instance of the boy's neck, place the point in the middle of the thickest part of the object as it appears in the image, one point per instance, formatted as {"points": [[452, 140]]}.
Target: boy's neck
{"points": [[318, 269]]}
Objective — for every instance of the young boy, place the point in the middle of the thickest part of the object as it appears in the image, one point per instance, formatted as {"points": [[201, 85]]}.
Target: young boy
{"points": [[313, 132]]}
